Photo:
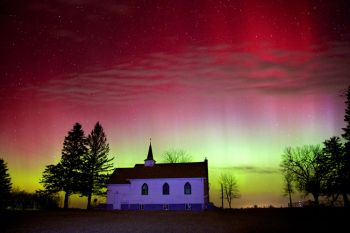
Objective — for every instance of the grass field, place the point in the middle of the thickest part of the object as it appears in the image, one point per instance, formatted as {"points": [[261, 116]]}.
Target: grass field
{"points": [[238, 221]]}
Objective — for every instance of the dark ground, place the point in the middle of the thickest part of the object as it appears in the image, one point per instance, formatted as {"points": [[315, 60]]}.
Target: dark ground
{"points": [[238, 221]]}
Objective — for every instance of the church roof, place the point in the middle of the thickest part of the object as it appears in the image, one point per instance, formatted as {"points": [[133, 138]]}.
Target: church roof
{"points": [[161, 170]]}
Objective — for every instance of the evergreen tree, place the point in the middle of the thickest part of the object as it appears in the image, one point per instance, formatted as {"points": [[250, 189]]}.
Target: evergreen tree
{"points": [[5, 184], [346, 136], [333, 164], [96, 164], [66, 175], [51, 179], [74, 149]]}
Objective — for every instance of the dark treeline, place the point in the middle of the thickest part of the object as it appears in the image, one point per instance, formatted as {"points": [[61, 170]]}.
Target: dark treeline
{"points": [[84, 166], [83, 169], [20, 199], [321, 170], [40, 199]]}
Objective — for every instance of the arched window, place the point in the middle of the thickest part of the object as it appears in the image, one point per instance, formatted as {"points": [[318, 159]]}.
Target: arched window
{"points": [[165, 189], [144, 189], [187, 188]]}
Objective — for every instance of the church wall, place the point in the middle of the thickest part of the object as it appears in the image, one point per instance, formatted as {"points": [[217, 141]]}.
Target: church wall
{"points": [[176, 194], [128, 196], [117, 194]]}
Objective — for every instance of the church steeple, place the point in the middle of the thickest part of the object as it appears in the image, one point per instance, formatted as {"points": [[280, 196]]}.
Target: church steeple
{"points": [[150, 153], [149, 161]]}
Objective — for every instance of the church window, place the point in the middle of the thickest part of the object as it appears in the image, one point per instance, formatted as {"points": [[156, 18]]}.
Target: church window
{"points": [[187, 188], [144, 189], [165, 189]]}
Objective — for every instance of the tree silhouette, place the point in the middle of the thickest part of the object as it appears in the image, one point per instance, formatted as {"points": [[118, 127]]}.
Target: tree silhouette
{"points": [[5, 184], [21, 199], [74, 148], [346, 136], [66, 175], [333, 163], [288, 187], [46, 200], [176, 156], [230, 187], [303, 165], [51, 179], [96, 164]]}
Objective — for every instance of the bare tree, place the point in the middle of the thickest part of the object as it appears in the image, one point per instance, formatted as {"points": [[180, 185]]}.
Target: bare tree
{"points": [[302, 164], [229, 187], [176, 156], [288, 187]]}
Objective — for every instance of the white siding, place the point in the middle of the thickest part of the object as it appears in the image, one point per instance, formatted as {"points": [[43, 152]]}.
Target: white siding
{"points": [[131, 193], [117, 194]]}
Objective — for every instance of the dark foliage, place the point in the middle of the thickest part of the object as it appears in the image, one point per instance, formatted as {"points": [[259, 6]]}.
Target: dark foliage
{"points": [[22, 200], [333, 162], [66, 175], [325, 172], [346, 136], [96, 164], [46, 200], [5, 184], [301, 164], [52, 178]]}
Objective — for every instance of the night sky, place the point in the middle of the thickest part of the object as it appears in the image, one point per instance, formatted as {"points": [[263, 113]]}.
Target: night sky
{"points": [[233, 81]]}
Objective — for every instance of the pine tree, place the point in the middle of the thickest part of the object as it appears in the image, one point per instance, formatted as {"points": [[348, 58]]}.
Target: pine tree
{"points": [[96, 164], [5, 184], [51, 179], [346, 136], [74, 149], [66, 175]]}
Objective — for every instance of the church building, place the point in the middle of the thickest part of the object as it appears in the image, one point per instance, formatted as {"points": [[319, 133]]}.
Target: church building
{"points": [[159, 186]]}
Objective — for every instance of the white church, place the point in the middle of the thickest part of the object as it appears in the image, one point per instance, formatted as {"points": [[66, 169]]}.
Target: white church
{"points": [[163, 186]]}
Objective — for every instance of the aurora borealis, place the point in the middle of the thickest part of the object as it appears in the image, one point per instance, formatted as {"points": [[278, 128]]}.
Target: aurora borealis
{"points": [[233, 81]]}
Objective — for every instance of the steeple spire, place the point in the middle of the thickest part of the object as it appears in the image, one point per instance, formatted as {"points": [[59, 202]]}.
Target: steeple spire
{"points": [[150, 153], [149, 161]]}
